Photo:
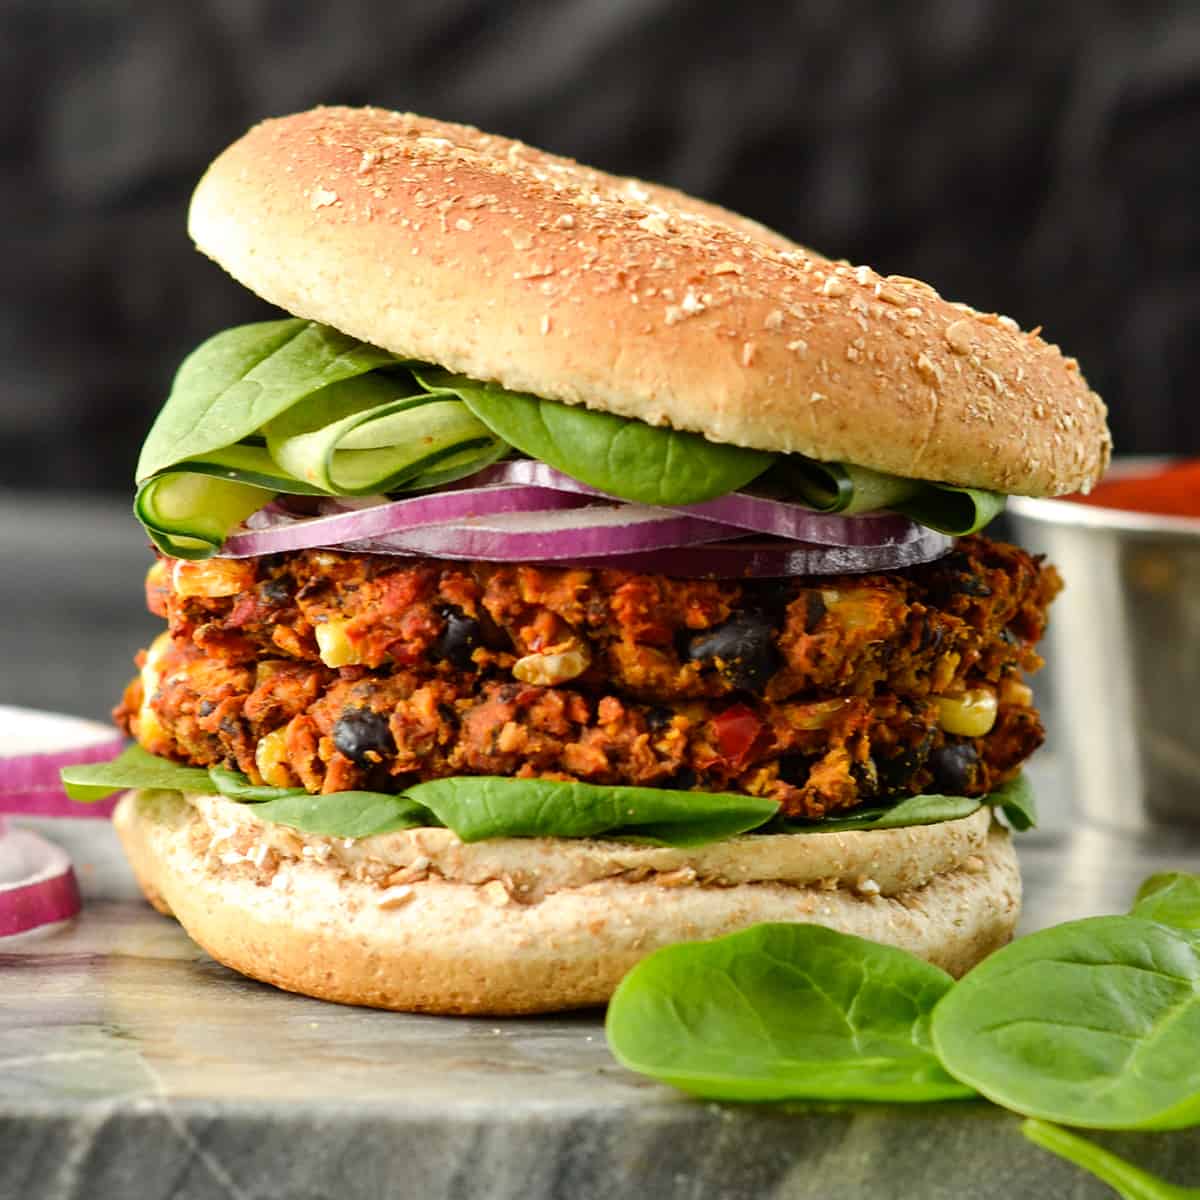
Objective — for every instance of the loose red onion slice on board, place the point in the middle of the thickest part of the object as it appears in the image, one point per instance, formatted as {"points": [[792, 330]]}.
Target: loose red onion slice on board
{"points": [[35, 746], [37, 883]]}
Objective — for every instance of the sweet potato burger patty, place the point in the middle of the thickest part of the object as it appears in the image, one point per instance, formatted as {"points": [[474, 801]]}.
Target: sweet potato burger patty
{"points": [[334, 671]]}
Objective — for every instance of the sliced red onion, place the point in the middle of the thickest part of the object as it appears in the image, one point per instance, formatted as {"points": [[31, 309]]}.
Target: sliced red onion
{"points": [[526, 511], [37, 883], [275, 530], [767, 559], [35, 746], [757, 514], [600, 531]]}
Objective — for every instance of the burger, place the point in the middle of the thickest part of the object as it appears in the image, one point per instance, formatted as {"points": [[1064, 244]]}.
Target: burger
{"points": [[577, 569]]}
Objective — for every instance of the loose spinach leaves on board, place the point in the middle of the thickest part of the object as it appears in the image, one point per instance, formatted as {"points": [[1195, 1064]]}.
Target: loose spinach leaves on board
{"points": [[648, 464], [1171, 898], [1130, 1182], [1092, 1023], [784, 1012]]}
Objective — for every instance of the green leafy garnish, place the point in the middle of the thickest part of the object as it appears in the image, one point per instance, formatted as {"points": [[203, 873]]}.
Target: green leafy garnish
{"points": [[1092, 1023], [234, 383], [345, 814], [480, 807], [483, 806], [1129, 1182], [1171, 898], [926, 809], [784, 1012], [132, 768], [1016, 801], [645, 463]]}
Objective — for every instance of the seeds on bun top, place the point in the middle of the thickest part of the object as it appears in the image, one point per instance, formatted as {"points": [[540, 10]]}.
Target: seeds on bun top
{"points": [[498, 261]]}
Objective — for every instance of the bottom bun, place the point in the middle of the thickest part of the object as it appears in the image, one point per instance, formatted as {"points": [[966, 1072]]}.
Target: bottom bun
{"points": [[418, 921]]}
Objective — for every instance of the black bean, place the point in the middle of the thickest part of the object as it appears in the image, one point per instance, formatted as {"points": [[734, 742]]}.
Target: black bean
{"points": [[277, 591], [931, 635], [814, 610], [896, 772], [744, 646], [795, 768], [659, 717], [954, 767], [459, 639], [683, 780], [363, 736]]}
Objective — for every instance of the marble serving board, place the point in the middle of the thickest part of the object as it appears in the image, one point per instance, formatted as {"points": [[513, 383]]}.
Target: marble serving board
{"points": [[133, 1066]]}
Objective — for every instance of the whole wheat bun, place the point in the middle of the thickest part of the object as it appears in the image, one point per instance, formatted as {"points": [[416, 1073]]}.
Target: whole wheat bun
{"points": [[418, 921], [496, 260]]}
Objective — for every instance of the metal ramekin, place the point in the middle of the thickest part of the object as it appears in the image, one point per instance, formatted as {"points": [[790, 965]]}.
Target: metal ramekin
{"points": [[1124, 655]]}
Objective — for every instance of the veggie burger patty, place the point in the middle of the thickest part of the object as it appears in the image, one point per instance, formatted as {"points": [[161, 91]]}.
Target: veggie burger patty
{"points": [[335, 671]]}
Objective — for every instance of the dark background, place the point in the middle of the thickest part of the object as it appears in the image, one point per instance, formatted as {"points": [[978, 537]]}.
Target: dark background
{"points": [[1040, 159]]}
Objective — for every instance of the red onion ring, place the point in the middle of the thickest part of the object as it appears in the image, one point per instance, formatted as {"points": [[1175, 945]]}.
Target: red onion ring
{"points": [[526, 511], [775, 560], [600, 531], [757, 514], [278, 531], [37, 883]]}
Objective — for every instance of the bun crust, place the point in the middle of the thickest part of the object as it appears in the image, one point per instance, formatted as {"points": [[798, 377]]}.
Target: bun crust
{"points": [[499, 261], [420, 922]]}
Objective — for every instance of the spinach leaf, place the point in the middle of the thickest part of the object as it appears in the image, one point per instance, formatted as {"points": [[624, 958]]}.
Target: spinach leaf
{"points": [[236, 786], [1130, 1182], [648, 464], [926, 809], [486, 806], [345, 814], [783, 1012], [241, 378], [1016, 800], [132, 768], [1091, 1023], [1172, 898]]}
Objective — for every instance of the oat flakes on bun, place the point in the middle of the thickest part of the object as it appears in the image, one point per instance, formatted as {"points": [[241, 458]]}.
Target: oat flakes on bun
{"points": [[576, 569]]}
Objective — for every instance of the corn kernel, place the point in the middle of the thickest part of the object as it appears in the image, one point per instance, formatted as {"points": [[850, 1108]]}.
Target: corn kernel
{"points": [[216, 577], [148, 728], [545, 670], [970, 715], [335, 648], [270, 757]]}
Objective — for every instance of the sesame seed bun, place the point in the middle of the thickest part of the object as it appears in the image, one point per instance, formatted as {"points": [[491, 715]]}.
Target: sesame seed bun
{"points": [[496, 260], [419, 921]]}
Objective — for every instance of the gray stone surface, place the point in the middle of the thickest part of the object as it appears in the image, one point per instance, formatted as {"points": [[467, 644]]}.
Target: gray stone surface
{"points": [[133, 1066]]}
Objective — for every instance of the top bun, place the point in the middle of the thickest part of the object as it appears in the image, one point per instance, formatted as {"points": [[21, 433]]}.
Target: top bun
{"points": [[441, 243]]}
